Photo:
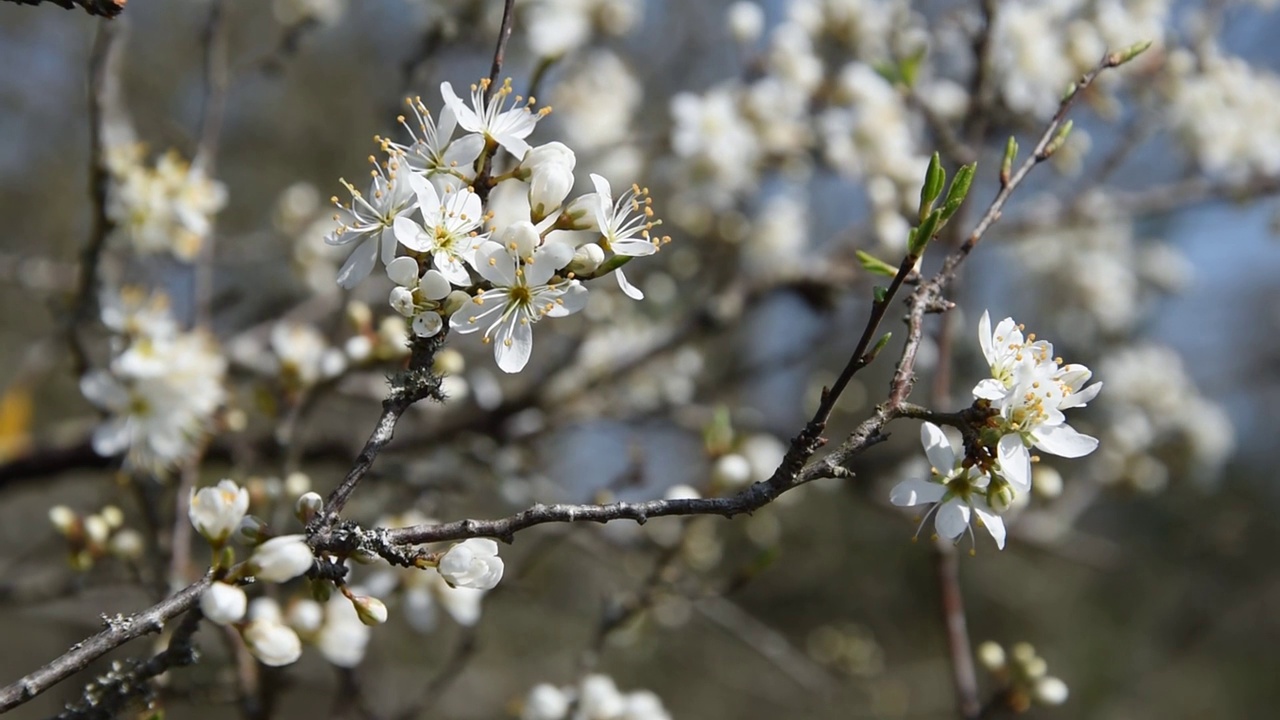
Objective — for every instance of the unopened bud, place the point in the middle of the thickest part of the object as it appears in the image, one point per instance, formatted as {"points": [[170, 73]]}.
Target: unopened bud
{"points": [[370, 609], [126, 544], [586, 259], [1000, 495], [308, 506], [449, 362], [746, 22], [454, 302], [1023, 652], [65, 520], [97, 530], [731, 471], [297, 484], [113, 516], [359, 315], [252, 530], [991, 656], [1051, 691]]}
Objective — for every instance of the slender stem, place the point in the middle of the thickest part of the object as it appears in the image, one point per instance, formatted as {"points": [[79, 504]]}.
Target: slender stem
{"points": [[500, 51], [217, 79], [119, 630], [103, 85], [963, 675]]}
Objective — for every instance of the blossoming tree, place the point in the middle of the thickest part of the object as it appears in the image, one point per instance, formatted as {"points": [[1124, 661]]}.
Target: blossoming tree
{"points": [[493, 215]]}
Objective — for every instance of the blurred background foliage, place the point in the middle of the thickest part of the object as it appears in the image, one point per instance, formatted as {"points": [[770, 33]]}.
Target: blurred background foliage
{"points": [[1151, 603]]}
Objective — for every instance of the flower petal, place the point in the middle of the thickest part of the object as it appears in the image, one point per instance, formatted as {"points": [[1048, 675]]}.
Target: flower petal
{"points": [[513, 344], [359, 264], [628, 289], [951, 519], [1064, 441], [411, 235], [914, 491], [1015, 462], [993, 523], [403, 271], [937, 448]]}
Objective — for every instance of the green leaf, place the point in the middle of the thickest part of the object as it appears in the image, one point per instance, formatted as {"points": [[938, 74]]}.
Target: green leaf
{"points": [[924, 233], [934, 178], [909, 68], [873, 264], [1006, 165], [1128, 53], [959, 190]]}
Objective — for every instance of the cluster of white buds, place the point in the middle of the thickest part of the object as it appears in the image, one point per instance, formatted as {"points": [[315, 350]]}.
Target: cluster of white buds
{"points": [[95, 536], [454, 259], [1021, 406], [595, 698], [162, 388], [1023, 675], [220, 514], [168, 208]]}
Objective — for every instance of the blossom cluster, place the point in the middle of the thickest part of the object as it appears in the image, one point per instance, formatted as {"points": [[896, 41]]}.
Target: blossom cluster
{"points": [[162, 388], [596, 697], [1023, 674], [1021, 406], [454, 256], [163, 209], [336, 617]]}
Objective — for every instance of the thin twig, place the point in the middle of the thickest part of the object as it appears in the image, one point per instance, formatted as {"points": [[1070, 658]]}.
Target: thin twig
{"points": [[216, 82], [500, 51], [104, 66], [120, 630], [963, 676], [100, 8]]}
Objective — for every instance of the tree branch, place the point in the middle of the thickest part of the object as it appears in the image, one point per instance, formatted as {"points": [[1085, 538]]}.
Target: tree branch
{"points": [[100, 8], [120, 630]]}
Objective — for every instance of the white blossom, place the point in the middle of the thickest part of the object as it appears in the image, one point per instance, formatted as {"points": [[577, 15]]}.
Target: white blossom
{"points": [[447, 232], [491, 117], [434, 153], [216, 512], [523, 293], [473, 563], [272, 642], [550, 170], [955, 491], [623, 234], [371, 221], [343, 638], [281, 558], [223, 604], [545, 702]]}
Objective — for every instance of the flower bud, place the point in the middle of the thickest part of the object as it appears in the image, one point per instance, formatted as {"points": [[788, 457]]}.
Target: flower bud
{"points": [[731, 471], [308, 506], [96, 529], [113, 516], [223, 604], [991, 656], [1000, 495], [682, 492], [449, 362], [472, 563], [358, 348], [273, 643], [252, 530], [545, 702], [359, 315], [126, 544], [520, 237], [581, 213], [281, 559], [1045, 481], [746, 22], [305, 616], [586, 259], [551, 177], [454, 301], [371, 610], [1051, 691], [216, 512], [65, 520], [402, 301]]}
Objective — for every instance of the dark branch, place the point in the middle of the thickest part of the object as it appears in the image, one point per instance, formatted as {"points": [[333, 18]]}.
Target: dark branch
{"points": [[120, 630], [100, 8]]}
